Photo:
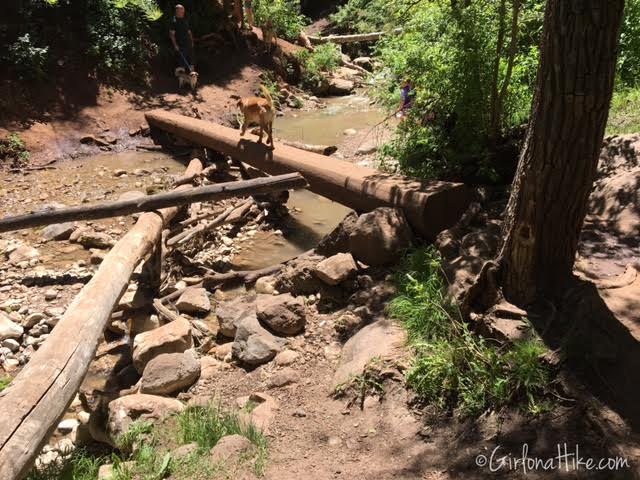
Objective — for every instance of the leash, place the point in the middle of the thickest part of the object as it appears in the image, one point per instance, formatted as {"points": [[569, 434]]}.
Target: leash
{"points": [[184, 60]]}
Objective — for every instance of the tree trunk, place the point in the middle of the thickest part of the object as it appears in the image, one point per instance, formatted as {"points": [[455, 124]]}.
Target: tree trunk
{"points": [[558, 163], [513, 49], [494, 121]]}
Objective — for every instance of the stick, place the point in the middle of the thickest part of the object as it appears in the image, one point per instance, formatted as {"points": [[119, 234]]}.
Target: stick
{"points": [[153, 202]]}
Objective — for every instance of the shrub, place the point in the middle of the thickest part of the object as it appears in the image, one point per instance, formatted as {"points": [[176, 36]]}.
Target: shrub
{"points": [[27, 59], [14, 150], [284, 15], [315, 65], [453, 368]]}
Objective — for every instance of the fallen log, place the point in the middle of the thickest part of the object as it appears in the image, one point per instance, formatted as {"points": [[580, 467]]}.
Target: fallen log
{"points": [[40, 394], [216, 280], [319, 149], [148, 203], [360, 37], [430, 206]]}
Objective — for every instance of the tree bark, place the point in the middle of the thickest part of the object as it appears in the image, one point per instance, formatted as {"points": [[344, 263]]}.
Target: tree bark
{"points": [[555, 174]]}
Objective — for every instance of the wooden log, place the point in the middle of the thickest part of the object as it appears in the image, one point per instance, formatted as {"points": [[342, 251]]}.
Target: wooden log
{"points": [[360, 37], [38, 397], [218, 191], [430, 206], [216, 280]]}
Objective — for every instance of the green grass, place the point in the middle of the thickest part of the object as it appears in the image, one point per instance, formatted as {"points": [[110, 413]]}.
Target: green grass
{"points": [[145, 450], [624, 115], [315, 65], [453, 368], [4, 382]]}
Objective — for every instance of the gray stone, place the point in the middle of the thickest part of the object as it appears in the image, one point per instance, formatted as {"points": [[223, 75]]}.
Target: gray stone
{"points": [[9, 329], [380, 237], [194, 301], [231, 312], [32, 319], [50, 294], [174, 337], [11, 344], [336, 269], [284, 314], [286, 357], [91, 239], [169, 373], [58, 231], [254, 345]]}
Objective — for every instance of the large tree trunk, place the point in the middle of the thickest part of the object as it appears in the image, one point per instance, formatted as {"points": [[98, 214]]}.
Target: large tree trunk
{"points": [[559, 160]]}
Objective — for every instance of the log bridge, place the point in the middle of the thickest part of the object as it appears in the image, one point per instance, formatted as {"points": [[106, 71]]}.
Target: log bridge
{"points": [[430, 206]]}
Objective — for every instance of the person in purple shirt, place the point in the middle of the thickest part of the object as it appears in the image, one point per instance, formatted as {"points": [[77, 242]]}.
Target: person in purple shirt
{"points": [[407, 98]]}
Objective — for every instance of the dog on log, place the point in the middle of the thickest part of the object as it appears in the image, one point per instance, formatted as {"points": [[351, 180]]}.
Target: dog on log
{"points": [[259, 111]]}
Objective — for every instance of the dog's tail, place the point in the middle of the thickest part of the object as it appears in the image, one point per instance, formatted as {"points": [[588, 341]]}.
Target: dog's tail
{"points": [[267, 95]]}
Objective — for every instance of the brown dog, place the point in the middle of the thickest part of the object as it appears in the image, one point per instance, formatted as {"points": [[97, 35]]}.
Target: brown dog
{"points": [[260, 111], [269, 36]]}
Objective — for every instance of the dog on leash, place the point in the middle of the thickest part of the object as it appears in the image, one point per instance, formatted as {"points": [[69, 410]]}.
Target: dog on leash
{"points": [[269, 36], [260, 111], [187, 78]]}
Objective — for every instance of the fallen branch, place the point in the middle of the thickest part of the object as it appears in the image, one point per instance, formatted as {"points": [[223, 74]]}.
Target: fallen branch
{"points": [[184, 180], [219, 191], [211, 282], [320, 149], [360, 37]]}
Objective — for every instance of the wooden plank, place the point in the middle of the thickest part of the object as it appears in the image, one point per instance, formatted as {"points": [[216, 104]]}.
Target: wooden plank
{"points": [[38, 397], [219, 191]]}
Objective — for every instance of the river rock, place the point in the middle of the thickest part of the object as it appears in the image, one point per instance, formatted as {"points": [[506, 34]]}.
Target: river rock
{"points": [[336, 269], [68, 425], [367, 149], [11, 344], [340, 86], [58, 231], [174, 337], [9, 329], [284, 314], [381, 339], [32, 319], [169, 373], [364, 62], [379, 237], [266, 285], [253, 344], [24, 253], [131, 195], [230, 449], [298, 276], [338, 240], [125, 410], [231, 312], [92, 239], [194, 301], [286, 357]]}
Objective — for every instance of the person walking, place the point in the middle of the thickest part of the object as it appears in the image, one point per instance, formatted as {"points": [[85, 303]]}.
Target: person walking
{"points": [[182, 38]]}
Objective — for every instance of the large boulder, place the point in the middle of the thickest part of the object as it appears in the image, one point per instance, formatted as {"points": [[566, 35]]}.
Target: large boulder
{"points": [[231, 312], [379, 237], [298, 277], [9, 329], [340, 86], [284, 314], [58, 231], [382, 340], [125, 410], [253, 344], [194, 301], [174, 337], [169, 373], [336, 269]]}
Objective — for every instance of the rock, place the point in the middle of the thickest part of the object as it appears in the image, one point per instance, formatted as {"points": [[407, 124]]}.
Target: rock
{"points": [[448, 244], [106, 472], [9, 329], [32, 319], [125, 410], [264, 410], [338, 240], [231, 312], [184, 451], [231, 449], [92, 239], [284, 314], [194, 301], [283, 377], [223, 352], [286, 357], [254, 345], [11, 344], [131, 195], [58, 231], [480, 244], [298, 276], [23, 253], [382, 340], [379, 237], [93, 140], [50, 295], [174, 337], [169, 373], [350, 131], [119, 172], [265, 285], [136, 297], [340, 86], [68, 425], [97, 257], [364, 62], [366, 149], [336, 269]]}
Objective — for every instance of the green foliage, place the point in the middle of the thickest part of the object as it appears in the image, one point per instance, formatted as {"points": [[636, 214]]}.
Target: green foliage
{"points": [[13, 150], [624, 115], [79, 465], [453, 367], [315, 65], [284, 15], [365, 16], [629, 50], [4, 382], [28, 59]]}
